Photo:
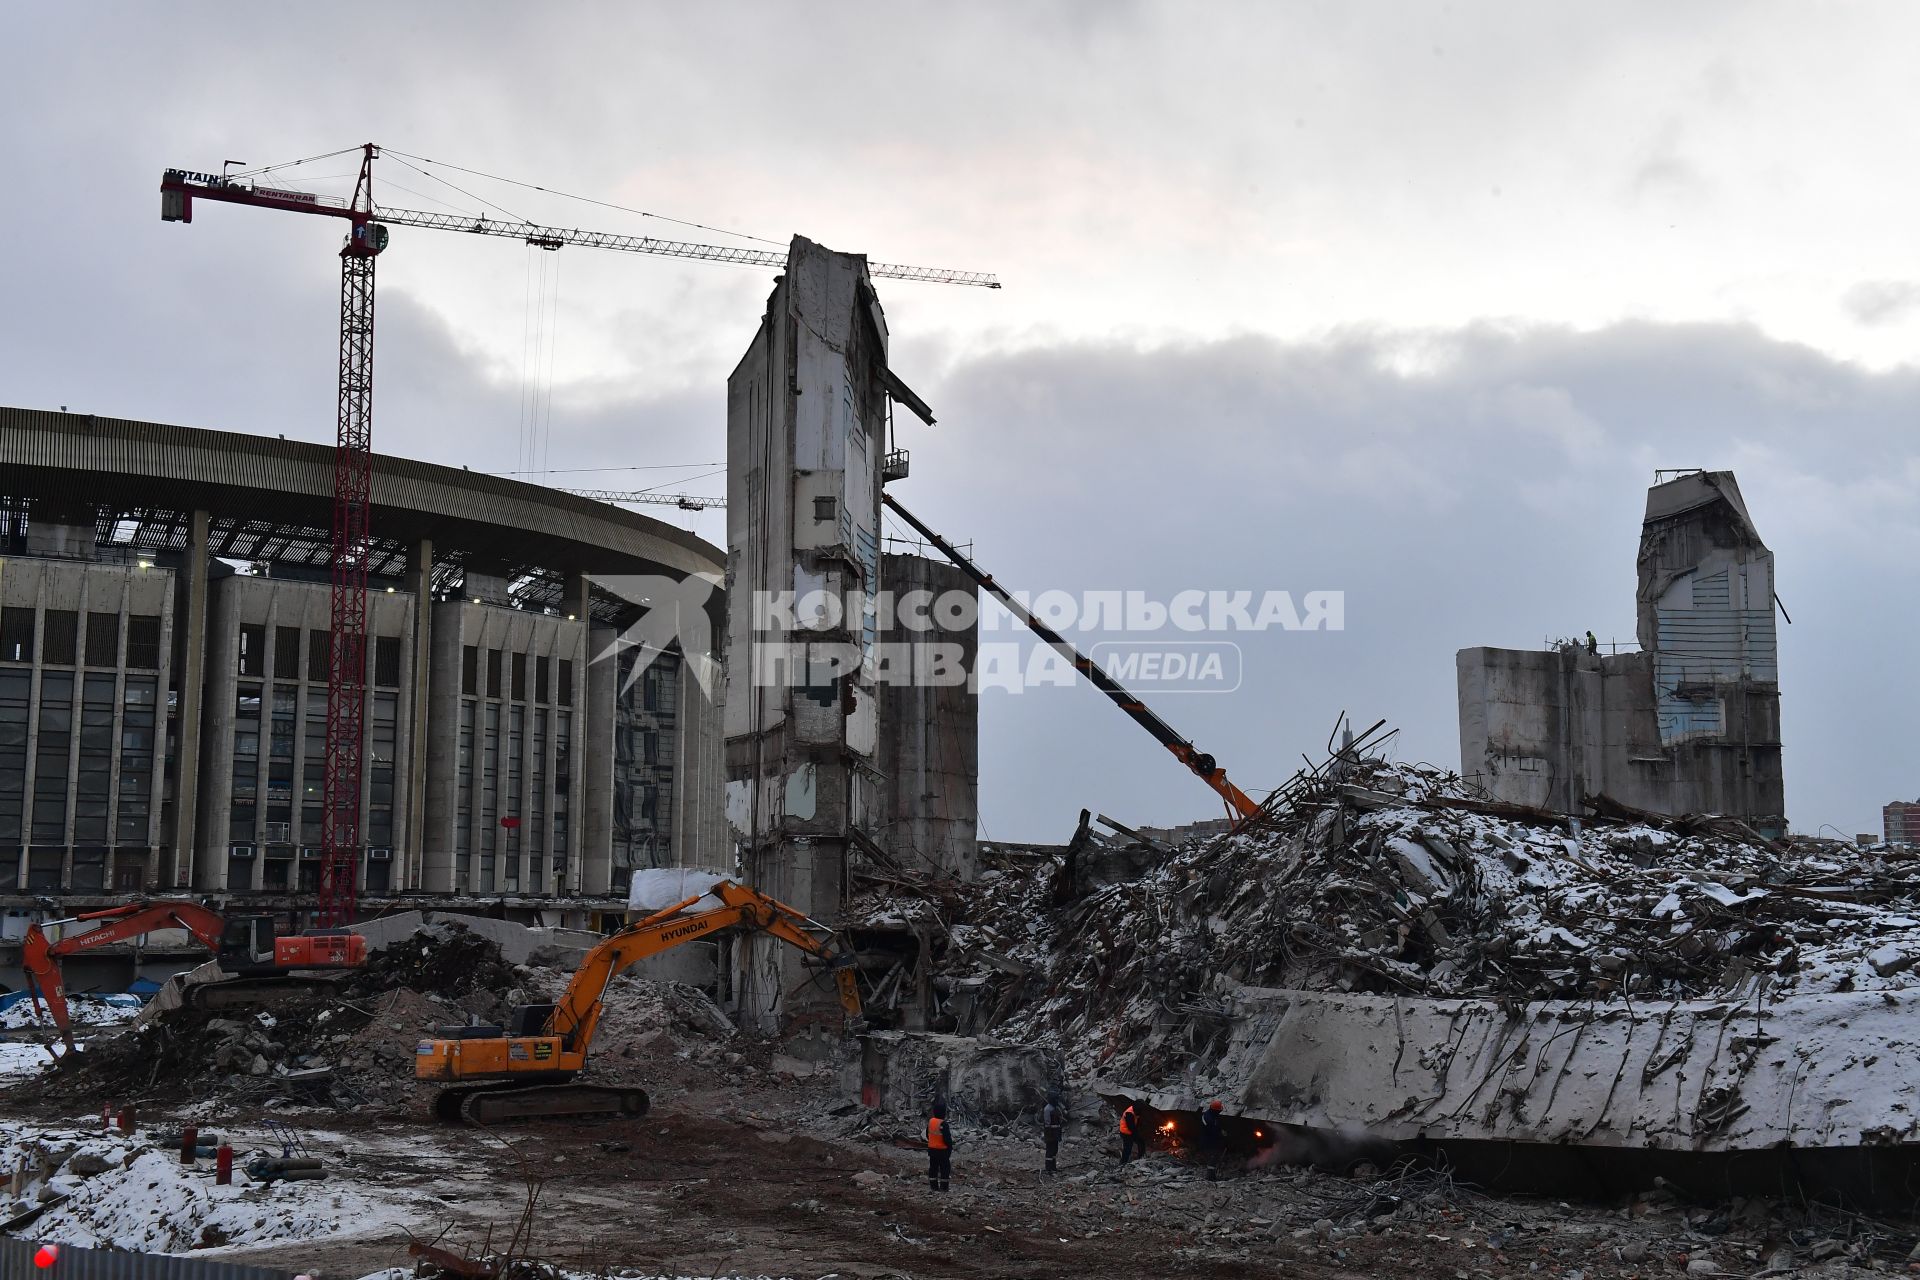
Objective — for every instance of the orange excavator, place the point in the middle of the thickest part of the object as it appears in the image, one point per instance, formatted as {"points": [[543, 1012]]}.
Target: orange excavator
{"points": [[257, 963], [526, 1069]]}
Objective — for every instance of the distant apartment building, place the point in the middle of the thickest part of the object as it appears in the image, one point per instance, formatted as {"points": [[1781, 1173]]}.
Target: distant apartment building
{"points": [[1900, 823]]}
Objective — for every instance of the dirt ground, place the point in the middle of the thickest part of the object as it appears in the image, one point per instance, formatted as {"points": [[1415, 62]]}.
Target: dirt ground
{"points": [[770, 1181]]}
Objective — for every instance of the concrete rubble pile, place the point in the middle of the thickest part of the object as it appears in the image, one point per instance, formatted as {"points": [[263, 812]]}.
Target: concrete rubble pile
{"points": [[1396, 880], [353, 1046]]}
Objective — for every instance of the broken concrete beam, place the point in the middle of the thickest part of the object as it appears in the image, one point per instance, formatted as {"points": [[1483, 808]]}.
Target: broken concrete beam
{"points": [[904, 1072], [1005, 964], [1689, 1075], [1366, 799]]}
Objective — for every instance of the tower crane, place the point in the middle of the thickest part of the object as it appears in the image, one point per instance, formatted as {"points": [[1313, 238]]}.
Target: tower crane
{"points": [[367, 236], [684, 501]]}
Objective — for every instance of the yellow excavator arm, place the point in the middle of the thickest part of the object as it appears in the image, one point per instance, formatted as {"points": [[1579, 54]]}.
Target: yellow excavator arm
{"points": [[546, 1045], [578, 1012]]}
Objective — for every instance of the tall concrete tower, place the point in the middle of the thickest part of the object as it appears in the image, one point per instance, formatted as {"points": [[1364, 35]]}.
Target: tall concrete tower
{"points": [[930, 735], [806, 443], [1689, 724]]}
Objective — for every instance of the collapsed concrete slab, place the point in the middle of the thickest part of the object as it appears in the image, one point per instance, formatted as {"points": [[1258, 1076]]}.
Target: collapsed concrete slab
{"points": [[904, 1073], [1687, 1075], [517, 942]]}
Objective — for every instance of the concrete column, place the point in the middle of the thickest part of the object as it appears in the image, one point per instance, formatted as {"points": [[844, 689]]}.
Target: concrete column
{"points": [[413, 838], [193, 675], [579, 857], [33, 736], [595, 696]]}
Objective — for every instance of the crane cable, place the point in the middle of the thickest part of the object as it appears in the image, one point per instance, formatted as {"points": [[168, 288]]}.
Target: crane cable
{"points": [[289, 164], [565, 195], [522, 460], [395, 156], [404, 156], [539, 348]]}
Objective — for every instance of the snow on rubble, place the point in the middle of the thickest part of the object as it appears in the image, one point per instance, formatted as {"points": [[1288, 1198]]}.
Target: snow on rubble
{"points": [[1398, 880], [82, 1011], [115, 1191]]}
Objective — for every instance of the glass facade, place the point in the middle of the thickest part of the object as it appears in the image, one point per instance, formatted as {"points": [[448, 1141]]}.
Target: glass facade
{"points": [[92, 718], [77, 746], [645, 746], [512, 773]]}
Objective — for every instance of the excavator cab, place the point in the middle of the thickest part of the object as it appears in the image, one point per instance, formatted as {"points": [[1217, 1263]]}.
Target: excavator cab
{"points": [[246, 944], [530, 1019]]}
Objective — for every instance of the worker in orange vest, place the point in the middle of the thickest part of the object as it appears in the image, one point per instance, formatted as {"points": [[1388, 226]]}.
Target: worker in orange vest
{"points": [[1130, 1134], [939, 1149]]}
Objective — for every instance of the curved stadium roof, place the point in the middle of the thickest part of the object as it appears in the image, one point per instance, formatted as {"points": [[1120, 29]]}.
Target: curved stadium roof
{"points": [[272, 499]]}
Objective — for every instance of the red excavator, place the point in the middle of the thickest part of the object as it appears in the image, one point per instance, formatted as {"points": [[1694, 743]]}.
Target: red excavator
{"points": [[255, 961]]}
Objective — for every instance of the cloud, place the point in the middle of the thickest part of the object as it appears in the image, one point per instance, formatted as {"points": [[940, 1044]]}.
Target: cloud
{"points": [[1881, 301]]}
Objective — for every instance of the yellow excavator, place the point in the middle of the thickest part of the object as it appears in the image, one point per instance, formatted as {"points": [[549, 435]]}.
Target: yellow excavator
{"points": [[526, 1069]]}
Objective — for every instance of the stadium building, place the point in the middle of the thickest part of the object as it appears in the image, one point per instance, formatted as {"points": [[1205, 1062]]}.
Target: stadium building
{"points": [[164, 605]]}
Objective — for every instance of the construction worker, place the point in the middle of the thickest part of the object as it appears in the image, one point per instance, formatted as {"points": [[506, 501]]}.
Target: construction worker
{"points": [[1212, 1141], [939, 1149], [1593, 645], [1053, 1121], [1130, 1134]]}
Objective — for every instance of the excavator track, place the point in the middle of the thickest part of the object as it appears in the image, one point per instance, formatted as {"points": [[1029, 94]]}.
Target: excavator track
{"points": [[504, 1104], [252, 993]]}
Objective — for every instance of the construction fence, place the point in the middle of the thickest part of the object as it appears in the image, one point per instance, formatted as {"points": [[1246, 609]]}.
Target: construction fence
{"points": [[74, 1263]]}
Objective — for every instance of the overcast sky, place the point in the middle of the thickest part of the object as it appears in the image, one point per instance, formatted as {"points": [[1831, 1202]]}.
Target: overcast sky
{"points": [[1403, 300]]}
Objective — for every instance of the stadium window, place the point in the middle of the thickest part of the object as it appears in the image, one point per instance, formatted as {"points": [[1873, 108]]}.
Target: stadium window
{"points": [[386, 661], [16, 635], [253, 650], [143, 642], [103, 639], [59, 636], [319, 657], [286, 653]]}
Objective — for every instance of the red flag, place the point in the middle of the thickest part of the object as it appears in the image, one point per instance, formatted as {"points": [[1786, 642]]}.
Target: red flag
{"points": [[509, 823]]}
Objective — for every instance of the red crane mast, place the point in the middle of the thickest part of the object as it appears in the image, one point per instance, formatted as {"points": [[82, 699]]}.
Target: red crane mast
{"points": [[352, 494]]}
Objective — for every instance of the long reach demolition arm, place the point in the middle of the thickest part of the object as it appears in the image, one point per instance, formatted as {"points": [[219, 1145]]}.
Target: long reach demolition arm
{"points": [[1204, 766]]}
